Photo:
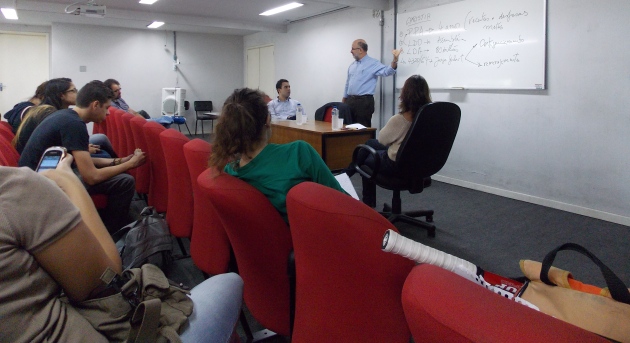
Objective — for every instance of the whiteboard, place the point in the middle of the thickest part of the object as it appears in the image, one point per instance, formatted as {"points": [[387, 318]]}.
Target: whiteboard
{"points": [[475, 44]]}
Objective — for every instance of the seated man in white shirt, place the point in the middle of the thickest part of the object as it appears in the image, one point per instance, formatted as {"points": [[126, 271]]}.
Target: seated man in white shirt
{"points": [[283, 107]]}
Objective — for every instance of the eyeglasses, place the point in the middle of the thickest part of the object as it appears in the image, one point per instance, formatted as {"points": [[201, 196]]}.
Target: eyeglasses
{"points": [[73, 90], [356, 48], [117, 90]]}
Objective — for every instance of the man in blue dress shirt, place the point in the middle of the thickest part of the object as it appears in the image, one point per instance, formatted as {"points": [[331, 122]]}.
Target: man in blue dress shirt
{"points": [[283, 107], [361, 81]]}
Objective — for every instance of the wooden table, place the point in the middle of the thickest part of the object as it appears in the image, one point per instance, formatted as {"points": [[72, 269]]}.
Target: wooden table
{"points": [[335, 147]]}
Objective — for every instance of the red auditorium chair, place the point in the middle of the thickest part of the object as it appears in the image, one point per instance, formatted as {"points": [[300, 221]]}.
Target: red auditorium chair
{"points": [[262, 243], [4, 124], [347, 288], [441, 306], [131, 145], [158, 188], [209, 244], [123, 147], [179, 211], [112, 130], [100, 127], [3, 161], [11, 156], [6, 131], [143, 173]]}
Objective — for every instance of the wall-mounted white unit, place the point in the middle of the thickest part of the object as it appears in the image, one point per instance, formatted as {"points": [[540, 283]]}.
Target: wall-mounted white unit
{"points": [[173, 101]]}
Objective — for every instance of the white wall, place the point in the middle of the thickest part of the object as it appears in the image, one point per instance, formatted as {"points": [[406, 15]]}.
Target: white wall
{"points": [[142, 61], [565, 147]]}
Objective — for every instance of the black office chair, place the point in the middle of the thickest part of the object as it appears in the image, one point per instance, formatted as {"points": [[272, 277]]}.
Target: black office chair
{"points": [[324, 113], [422, 154], [204, 106]]}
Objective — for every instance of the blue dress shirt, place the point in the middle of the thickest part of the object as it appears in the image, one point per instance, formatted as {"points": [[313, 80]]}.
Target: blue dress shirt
{"points": [[362, 76], [281, 110]]}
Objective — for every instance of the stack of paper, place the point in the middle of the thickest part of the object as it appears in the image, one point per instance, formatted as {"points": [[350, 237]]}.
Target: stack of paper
{"points": [[355, 126], [346, 184]]}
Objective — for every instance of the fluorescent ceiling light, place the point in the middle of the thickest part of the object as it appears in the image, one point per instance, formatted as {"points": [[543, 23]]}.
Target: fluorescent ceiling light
{"points": [[155, 24], [282, 8], [148, 2], [9, 13]]}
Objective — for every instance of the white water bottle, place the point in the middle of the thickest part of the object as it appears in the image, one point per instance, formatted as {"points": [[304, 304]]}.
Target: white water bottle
{"points": [[299, 115], [335, 119]]}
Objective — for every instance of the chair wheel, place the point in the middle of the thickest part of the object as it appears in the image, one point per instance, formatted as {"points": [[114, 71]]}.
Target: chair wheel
{"points": [[429, 219]]}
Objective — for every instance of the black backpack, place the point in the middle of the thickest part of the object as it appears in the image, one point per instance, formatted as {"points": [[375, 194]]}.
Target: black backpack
{"points": [[147, 240]]}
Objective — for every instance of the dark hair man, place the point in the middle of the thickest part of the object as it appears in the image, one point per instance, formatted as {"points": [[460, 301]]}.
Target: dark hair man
{"points": [[283, 107], [67, 128], [118, 101]]}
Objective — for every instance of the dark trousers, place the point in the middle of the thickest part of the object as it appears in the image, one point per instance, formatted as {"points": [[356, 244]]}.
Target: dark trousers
{"points": [[362, 108], [119, 190], [387, 167]]}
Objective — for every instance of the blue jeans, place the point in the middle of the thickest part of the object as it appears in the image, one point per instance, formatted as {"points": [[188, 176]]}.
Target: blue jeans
{"points": [[217, 305], [107, 151]]}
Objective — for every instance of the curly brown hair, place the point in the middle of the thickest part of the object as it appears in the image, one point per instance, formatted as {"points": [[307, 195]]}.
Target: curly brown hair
{"points": [[414, 94], [240, 127]]}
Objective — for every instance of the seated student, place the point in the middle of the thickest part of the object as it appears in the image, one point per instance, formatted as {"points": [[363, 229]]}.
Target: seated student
{"points": [[61, 94], [34, 116], [15, 115], [414, 94], [61, 245], [283, 107], [241, 148], [119, 103], [67, 128]]}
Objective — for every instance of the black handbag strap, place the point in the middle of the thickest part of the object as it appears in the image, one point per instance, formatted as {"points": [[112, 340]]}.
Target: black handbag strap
{"points": [[617, 288]]}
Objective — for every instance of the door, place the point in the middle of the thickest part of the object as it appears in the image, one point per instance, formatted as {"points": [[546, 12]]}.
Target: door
{"points": [[253, 68], [267, 72], [24, 65], [261, 69]]}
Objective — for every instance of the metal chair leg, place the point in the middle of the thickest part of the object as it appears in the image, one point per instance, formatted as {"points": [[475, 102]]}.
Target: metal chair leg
{"points": [[186, 129]]}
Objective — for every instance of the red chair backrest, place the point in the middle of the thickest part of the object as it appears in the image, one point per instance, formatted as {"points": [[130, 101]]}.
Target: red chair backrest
{"points": [[344, 279], [441, 306], [6, 125], [131, 145], [261, 243], [179, 213], [11, 156], [100, 127], [209, 244], [112, 131], [122, 135], [158, 189], [328, 115], [4, 162], [6, 131], [143, 173], [126, 119]]}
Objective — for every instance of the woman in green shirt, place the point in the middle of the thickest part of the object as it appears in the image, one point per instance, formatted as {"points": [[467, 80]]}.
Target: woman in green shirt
{"points": [[241, 148]]}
